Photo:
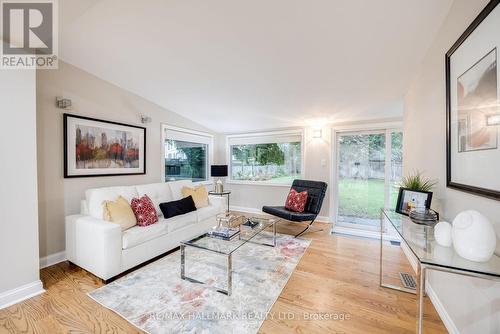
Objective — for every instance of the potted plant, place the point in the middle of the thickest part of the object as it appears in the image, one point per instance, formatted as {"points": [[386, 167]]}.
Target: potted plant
{"points": [[417, 182], [414, 193]]}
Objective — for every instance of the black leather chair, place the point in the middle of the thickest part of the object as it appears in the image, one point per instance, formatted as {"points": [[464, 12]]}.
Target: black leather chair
{"points": [[315, 194]]}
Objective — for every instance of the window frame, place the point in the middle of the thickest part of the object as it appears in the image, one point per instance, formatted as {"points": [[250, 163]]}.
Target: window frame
{"points": [[387, 127], [297, 132], [210, 158]]}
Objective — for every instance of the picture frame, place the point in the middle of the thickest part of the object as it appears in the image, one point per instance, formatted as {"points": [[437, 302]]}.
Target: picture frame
{"points": [[473, 108], [95, 147], [419, 198]]}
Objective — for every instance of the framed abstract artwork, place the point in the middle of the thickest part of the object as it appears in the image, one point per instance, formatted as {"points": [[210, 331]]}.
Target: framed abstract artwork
{"points": [[94, 147], [472, 106]]}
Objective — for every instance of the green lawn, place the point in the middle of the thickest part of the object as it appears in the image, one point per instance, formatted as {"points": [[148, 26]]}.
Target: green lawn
{"points": [[363, 198], [359, 198]]}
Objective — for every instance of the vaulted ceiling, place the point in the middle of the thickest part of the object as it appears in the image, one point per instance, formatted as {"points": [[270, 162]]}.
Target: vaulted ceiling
{"points": [[238, 65]]}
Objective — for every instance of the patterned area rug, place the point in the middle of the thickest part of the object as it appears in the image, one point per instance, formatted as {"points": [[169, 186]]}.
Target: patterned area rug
{"points": [[155, 298]]}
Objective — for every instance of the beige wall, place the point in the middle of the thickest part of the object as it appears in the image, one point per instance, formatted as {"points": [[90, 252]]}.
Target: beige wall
{"points": [[470, 303], [18, 190], [91, 97]]}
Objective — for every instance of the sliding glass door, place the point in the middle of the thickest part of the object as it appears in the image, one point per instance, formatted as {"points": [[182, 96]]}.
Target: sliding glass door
{"points": [[369, 168]]}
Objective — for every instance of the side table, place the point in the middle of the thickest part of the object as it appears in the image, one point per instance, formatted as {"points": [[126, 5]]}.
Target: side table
{"points": [[224, 193]]}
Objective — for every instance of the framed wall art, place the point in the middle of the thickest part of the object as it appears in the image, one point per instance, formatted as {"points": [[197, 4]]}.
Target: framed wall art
{"points": [[94, 147], [473, 109]]}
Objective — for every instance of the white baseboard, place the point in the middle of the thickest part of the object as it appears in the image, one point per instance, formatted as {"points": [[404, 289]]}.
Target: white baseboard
{"points": [[323, 219], [362, 233], [52, 259], [440, 309], [356, 232], [245, 209], [21, 293]]}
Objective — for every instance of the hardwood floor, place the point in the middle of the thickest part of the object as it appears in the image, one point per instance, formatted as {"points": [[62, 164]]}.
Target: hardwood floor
{"points": [[337, 277]]}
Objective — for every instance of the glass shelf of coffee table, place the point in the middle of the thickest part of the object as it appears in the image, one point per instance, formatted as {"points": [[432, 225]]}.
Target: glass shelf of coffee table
{"points": [[209, 243]]}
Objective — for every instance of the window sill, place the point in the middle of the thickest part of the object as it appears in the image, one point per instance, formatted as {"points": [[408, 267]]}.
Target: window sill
{"points": [[205, 183], [196, 183], [260, 184]]}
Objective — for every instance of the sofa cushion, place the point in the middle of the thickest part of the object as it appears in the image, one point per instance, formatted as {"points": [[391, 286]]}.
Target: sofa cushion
{"points": [[144, 210], [139, 234], [119, 212], [296, 201], [158, 192], [208, 212], [177, 208], [199, 195], [96, 197], [176, 188], [178, 222]]}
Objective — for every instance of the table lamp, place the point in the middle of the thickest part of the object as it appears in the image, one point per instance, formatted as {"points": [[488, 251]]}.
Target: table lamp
{"points": [[218, 171]]}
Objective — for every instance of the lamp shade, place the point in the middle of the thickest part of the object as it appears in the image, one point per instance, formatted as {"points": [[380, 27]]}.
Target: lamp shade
{"points": [[218, 170]]}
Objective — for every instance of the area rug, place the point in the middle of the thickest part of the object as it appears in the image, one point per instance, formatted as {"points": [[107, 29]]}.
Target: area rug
{"points": [[156, 300]]}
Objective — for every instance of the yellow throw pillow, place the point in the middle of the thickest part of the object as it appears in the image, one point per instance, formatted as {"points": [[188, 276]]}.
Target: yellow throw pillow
{"points": [[119, 212], [199, 194]]}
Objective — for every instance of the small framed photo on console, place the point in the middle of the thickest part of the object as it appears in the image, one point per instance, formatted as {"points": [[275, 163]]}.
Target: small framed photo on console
{"points": [[409, 199]]}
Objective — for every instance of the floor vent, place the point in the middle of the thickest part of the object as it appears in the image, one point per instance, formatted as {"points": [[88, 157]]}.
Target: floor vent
{"points": [[408, 281]]}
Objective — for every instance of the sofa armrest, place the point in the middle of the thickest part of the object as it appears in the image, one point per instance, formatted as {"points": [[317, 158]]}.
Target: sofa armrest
{"points": [[94, 244], [218, 201]]}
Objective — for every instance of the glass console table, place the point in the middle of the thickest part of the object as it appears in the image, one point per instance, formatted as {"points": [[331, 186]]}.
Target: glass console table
{"points": [[424, 254]]}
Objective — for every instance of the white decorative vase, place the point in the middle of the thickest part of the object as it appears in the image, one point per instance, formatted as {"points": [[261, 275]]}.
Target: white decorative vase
{"points": [[473, 236], [442, 234]]}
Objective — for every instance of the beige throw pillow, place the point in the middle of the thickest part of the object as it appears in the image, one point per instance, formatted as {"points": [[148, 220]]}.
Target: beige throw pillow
{"points": [[119, 212], [199, 194]]}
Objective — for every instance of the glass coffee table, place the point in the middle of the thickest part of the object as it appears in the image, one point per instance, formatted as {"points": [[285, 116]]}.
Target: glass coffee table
{"points": [[208, 243]]}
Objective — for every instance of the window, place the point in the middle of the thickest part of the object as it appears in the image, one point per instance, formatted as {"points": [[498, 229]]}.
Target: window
{"points": [[368, 165], [266, 158], [187, 155]]}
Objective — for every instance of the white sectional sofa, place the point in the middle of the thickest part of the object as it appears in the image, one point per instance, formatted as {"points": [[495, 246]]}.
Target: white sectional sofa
{"points": [[103, 249]]}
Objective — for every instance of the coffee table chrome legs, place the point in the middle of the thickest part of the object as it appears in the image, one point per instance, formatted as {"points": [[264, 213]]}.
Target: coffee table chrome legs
{"points": [[229, 259], [273, 244], [274, 234], [229, 272], [183, 262]]}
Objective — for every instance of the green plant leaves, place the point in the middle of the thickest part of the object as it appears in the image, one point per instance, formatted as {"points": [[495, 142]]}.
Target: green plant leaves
{"points": [[417, 182]]}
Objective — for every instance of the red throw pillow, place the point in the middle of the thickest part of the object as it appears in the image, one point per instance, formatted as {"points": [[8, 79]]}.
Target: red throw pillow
{"points": [[144, 211], [296, 201]]}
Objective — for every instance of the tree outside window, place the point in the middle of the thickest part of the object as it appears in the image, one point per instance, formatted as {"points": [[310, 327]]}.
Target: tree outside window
{"points": [[271, 162], [185, 161]]}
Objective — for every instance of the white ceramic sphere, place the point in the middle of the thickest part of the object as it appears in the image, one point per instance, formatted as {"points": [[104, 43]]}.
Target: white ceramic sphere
{"points": [[473, 236], [442, 234]]}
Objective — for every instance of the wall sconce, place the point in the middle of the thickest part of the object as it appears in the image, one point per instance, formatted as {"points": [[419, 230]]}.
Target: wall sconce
{"points": [[145, 119], [63, 103], [318, 133], [492, 120]]}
